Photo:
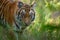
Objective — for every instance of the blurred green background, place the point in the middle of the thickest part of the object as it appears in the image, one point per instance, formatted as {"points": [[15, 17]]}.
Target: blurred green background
{"points": [[46, 25]]}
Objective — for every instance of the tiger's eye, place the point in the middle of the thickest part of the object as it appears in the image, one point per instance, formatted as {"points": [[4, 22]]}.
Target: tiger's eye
{"points": [[31, 12], [22, 13]]}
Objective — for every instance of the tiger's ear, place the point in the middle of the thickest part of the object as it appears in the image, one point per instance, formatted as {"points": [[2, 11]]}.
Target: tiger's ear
{"points": [[33, 5], [20, 4]]}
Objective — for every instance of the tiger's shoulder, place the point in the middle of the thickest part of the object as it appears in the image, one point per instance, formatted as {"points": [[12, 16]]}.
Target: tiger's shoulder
{"points": [[7, 10]]}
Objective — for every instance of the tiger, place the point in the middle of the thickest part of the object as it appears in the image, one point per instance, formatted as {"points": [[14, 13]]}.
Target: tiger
{"points": [[15, 16]]}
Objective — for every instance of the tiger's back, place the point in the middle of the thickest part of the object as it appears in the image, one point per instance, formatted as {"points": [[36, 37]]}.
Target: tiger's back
{"points": [[7, 10]]}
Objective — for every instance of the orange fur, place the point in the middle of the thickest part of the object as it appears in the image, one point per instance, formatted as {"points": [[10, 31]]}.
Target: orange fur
{"points": [[8, 8]]}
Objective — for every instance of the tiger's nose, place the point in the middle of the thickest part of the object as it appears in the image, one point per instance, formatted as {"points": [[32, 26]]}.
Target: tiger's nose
{"points": [[27, 22]]}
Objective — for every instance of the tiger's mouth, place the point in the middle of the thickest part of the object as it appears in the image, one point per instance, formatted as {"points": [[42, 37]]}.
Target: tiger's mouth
{"points": [[26, 24]]}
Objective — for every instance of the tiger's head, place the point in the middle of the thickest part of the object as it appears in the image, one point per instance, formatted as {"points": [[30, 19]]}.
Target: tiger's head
{"points": [[25, 14], [16, 14]]}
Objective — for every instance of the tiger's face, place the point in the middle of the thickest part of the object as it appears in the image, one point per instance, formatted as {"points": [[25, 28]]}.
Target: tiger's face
{"points": [[25, 14]]}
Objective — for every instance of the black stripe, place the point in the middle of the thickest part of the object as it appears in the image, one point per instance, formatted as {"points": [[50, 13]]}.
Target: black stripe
{"points": [[17, 25]]}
